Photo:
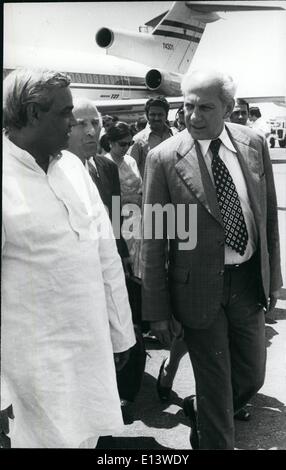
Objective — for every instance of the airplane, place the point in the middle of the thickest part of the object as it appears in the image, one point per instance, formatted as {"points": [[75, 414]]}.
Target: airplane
{"points": [[117, 82]]}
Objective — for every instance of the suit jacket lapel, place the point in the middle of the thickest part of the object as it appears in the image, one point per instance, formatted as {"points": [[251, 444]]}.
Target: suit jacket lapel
{"points": [[193, 171], [248, 159]]}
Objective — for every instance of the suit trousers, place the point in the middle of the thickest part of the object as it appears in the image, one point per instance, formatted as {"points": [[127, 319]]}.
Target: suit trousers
{"points": [[129, 378], [229, 357]]}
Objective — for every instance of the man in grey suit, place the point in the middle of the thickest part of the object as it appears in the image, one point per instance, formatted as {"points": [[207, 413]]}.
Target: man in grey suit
{"points": [[223, 261]]}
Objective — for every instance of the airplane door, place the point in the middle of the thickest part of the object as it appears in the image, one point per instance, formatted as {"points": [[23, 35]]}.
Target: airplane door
{"points": [[126, 92]]}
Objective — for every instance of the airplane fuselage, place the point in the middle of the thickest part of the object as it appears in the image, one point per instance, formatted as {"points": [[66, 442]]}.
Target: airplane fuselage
{"points": [[98, 77]]}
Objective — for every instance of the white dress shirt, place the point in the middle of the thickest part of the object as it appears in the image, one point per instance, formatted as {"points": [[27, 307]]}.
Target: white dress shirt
{"points": [[228, 155]]}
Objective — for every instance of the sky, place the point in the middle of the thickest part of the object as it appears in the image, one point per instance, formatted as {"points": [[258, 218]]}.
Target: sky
{"points": [[249, 45]]}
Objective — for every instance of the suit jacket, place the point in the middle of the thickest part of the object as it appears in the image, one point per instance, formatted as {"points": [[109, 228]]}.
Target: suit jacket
{"points": [[107, 181], [192, 285]]}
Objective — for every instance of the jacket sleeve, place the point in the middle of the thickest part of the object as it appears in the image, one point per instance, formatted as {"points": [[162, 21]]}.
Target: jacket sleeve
{"points": [[272, 229], [155, 295]]}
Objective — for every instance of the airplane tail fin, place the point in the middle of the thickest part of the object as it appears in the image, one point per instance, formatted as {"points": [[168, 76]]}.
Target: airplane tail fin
{"points": [[178, 35]]}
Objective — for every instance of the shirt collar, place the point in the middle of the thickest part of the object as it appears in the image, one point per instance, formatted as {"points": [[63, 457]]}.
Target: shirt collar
{"points": [[149, 131], [90, 161], [24, 157], [224, 137]]}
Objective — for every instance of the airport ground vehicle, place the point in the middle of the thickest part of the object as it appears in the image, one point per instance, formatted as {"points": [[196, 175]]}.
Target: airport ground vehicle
{"points": [[278, 132]]}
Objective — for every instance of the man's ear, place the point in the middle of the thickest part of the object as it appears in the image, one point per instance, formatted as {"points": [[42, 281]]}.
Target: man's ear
{"points": [[229, 109], [32, 112]]}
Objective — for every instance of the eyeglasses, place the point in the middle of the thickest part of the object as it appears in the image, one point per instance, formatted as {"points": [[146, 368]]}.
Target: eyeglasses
{"points": [[125, 144]]}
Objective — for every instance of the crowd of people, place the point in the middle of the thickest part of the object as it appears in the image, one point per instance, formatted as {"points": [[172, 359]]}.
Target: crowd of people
{"points": [[82, 281]]}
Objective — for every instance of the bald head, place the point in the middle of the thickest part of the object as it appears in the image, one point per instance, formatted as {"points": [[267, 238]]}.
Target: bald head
{"points": [[208, 101], [85, 133]]}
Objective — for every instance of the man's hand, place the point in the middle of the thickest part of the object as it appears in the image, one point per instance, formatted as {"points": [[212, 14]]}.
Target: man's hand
{"points": [[162, 331], [120, 359], [273, 300]]}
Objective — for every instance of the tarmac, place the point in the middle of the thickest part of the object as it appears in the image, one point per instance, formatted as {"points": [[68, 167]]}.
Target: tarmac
{"points": [[160, 426]]}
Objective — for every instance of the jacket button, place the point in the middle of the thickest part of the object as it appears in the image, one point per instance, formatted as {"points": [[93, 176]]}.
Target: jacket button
{"points": [[221, 273], [221, 243]]}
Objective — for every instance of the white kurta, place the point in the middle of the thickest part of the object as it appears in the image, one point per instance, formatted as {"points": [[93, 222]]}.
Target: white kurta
{"points": [[65, 307]]}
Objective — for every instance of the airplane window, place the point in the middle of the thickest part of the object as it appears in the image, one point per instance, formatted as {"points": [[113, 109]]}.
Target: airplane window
{"points": [[125, 80]]}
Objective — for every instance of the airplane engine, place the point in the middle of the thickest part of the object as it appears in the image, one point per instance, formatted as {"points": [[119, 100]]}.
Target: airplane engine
{"points": [[165, 83], [125, 44], [104, 37], [136, 47]]}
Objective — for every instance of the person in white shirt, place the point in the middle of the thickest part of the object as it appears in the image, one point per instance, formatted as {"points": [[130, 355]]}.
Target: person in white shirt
{"points": [[104, 173], [155, 131], [257, 123], [65, 317]]}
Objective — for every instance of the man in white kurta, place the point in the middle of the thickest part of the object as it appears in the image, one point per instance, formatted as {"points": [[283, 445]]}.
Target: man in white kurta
{"points": [[65, 308]]}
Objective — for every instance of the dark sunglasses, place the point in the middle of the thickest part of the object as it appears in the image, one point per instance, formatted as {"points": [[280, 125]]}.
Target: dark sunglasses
{"points": [[125, 144]]}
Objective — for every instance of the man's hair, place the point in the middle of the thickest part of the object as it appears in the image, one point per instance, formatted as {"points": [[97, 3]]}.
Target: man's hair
{"points": [[241, 101], [107, 117], [86, 103], [158, 101], [24, 86], [224, 82], [255, 111], [118, 131]]}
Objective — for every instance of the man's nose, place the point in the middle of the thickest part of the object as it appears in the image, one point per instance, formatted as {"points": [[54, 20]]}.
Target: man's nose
{"points": [[90, 130], [195, 114], [72, 120]]}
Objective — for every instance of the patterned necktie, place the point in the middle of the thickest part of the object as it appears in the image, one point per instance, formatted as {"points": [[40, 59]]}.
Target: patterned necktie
{"points": [[236, 235]]}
